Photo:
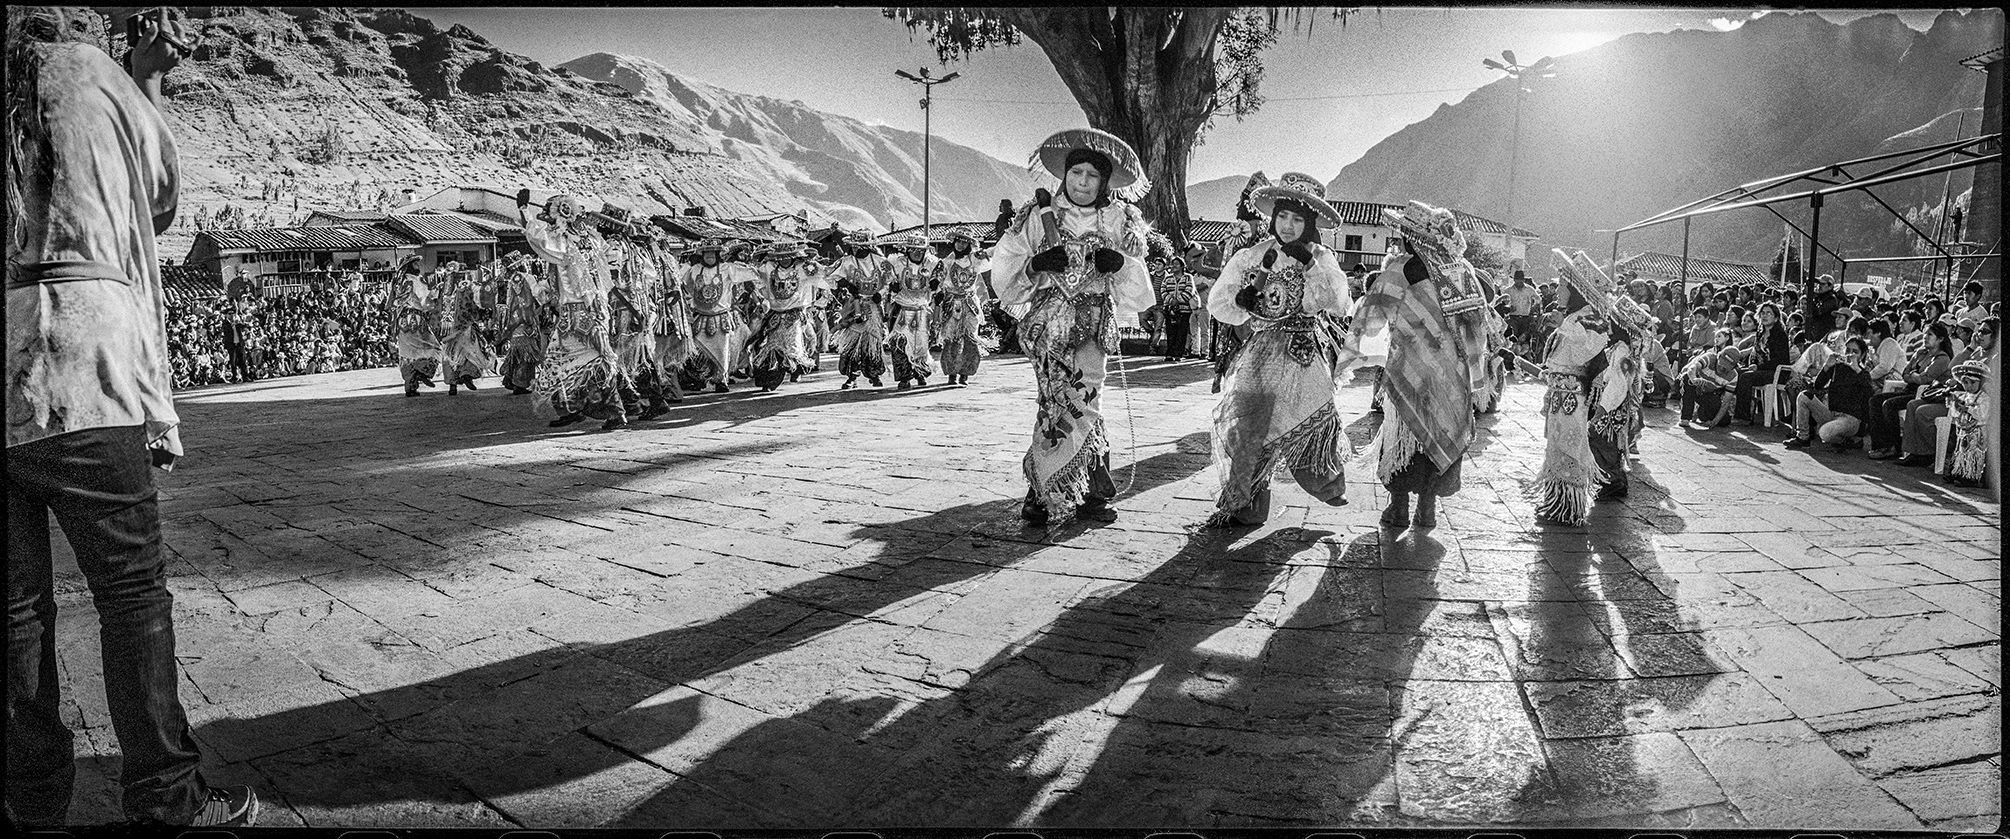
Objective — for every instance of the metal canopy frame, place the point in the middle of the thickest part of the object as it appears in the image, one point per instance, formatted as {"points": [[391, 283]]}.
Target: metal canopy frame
{"points": [[1833, 179], [1861, 260]]}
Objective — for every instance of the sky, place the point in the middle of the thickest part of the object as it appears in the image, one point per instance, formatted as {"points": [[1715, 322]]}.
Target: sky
{"points": [[1333, 92]]}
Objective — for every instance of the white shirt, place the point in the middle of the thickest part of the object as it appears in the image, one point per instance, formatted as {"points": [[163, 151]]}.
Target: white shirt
{"points": [[1325, 283], [1889, 357], [1119, 224]]}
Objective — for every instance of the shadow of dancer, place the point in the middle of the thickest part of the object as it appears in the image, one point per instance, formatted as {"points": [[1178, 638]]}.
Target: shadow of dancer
{"points": [[1029, 721], [1610, 664], [480, 735]]}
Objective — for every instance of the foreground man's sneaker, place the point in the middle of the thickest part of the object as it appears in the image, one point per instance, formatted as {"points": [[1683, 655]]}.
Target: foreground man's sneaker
{"points": [[228, 807]]}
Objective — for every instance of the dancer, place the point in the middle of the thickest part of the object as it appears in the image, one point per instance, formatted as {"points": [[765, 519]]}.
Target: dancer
{"points": [[580, 376], [631, 330], [817, 329], [670, 328], [861, 274], [418, 340], [1616, 422], [715, 324], [525, 328], [779, 346], [1574, 356], [957, 281], [1969, 407], [1424, 321], [1277, 407], [1177, 303], [464, 356], [1076, 261], [907, 321], [747, 302]]}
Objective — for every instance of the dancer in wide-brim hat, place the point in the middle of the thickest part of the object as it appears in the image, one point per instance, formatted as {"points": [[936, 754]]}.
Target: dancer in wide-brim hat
{"points": [[959, 306], [1582, 381], [778, 346], [1277, 405], [907, 316], [716, 325], [581, 375], [858, 309], [1076, 260]]}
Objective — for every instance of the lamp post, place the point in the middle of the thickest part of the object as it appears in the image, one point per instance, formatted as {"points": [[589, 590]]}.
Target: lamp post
{"points": [[1544, 68], [927, 132]]}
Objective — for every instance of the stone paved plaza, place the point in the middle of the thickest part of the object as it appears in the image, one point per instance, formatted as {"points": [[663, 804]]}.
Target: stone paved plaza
{"points": [[819, 608]]}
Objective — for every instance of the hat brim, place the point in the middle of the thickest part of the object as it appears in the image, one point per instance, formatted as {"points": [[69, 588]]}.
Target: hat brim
{"points": [[1125, 169], [1265, 199]]}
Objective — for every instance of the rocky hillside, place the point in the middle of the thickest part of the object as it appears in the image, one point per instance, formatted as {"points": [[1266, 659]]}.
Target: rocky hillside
{"points": [[282, 111], [1653, 121]]}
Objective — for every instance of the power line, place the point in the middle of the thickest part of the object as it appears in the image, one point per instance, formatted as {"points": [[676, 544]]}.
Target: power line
{"points": [[1271, 99]]}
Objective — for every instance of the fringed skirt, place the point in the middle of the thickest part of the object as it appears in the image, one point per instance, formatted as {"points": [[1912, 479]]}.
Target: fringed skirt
{"points": [[519, 364], [1971, 443], [715, 344], [465, 354], [960, 349], [907, 342], [1277, 409], [778, 348], [575, 378], [1562, 489], [1068, 343]]}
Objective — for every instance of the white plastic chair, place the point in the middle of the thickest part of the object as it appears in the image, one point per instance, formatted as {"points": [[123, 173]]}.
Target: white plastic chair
{"points": [[1773, 399], [1943, 433]]}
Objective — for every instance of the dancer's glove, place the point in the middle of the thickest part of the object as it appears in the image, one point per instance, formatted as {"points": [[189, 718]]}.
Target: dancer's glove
{"points": [[1108, 261], [1246, 298], [1298, 251], [893, 287], [522, 198], [1269, 259], [1051, 259], [934, 285]]}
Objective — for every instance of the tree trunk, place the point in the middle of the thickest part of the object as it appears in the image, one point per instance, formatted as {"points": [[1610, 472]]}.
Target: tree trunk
{"points": [[1144, 74]]}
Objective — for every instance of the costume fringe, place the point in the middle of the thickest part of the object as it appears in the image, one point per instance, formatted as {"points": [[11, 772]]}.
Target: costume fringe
{"points": [[1065, 490], [1563, 504], [1312, 445], [721, 324]]}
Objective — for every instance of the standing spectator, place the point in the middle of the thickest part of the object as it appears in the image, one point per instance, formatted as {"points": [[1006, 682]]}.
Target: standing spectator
{"points": [[1524, 300], [92, 178], [1971, 302]]}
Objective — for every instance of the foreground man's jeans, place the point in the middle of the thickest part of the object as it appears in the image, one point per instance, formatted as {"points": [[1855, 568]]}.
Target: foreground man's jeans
{"points": [[99, 484]]}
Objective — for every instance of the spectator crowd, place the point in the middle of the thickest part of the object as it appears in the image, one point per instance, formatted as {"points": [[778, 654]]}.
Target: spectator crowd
{"points": [[247, 336]]}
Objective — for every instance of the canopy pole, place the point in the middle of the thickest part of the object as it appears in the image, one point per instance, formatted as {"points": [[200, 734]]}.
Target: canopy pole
{"points": [[1808, 267], [1682, 291]]}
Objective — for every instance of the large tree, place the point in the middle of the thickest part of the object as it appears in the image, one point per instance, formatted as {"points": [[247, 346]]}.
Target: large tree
{"points": [[1156, 76]]}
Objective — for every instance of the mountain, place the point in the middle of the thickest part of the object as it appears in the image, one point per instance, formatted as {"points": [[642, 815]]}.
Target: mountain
{"points": [[1649, 122], [281, 111], [1215, 199]]}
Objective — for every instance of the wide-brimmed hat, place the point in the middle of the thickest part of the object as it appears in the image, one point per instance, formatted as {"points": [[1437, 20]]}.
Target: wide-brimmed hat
{"points": [[709, 245], [1584, 278], [1422, 222], [1972, 370], [1298, 188], [857, 237], [961, 233], [910, 241], [1125, 169], [786, 250]]}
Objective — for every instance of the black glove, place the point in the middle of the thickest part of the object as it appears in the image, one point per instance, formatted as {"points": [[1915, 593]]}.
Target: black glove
{"points": [[1269, 259], [893, 287], [1298, 251], [934, 285], [1108, 261], [522, 198], [1051, 259], [848, 286], [1246, 298], [1042, 198]]}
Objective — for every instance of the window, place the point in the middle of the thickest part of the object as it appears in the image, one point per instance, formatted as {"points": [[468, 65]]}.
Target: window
{"points": [[1351, 244]]}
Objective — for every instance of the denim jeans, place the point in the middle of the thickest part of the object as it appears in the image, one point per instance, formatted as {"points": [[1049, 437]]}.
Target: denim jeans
{"points": [[98, 483]]}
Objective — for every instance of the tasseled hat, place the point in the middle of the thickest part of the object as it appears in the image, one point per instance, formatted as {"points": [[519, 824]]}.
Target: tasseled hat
{"points": [[1300, 189], [1435, 227], [911, 241], [1586, 279], [1972, 370]]}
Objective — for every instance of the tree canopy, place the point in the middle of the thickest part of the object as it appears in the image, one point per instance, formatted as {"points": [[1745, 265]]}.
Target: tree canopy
{"points": [[1156, 76]]}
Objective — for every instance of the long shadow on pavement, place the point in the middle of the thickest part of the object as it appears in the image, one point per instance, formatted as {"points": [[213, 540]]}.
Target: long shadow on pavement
{"points": [[512, 726]]}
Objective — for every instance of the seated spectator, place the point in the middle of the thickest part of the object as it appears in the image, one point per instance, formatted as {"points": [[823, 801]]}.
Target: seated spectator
{"points": [[1833, 407], [1770, 351], [1981, 342], [1930, 367], [1709, 375]]}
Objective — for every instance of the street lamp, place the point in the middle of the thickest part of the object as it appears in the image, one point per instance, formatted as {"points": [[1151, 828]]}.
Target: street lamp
{"points": [[927, 131], [1544, 68]]}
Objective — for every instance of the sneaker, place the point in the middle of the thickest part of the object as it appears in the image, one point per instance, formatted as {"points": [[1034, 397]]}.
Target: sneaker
{"points": [[566, 420], [1883, 454], [1798, 443], [518, 391], [227, 807], [468, 382], [614, 423], [1914, 460], [718, 387]]}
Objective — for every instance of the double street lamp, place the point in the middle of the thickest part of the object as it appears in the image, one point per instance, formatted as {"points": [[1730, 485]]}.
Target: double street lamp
{"points": [[1544, 68], [927, 131]]}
